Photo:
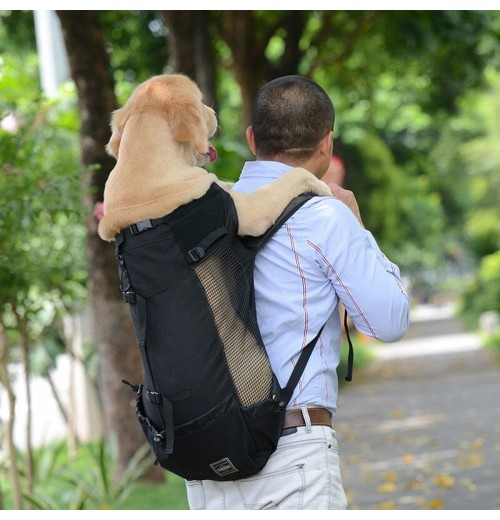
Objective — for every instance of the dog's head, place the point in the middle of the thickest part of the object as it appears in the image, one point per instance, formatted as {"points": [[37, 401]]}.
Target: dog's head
{"points": [[178, 100]]}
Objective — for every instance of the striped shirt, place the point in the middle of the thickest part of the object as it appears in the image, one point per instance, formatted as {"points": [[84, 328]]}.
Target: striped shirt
{"points": [[320, 257]]}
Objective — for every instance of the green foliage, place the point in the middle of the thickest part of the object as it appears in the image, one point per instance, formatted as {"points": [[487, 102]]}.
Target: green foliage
{"points": [[492, 342], [42, 265], [169, 496], [84, 481], [483, 230], [397, 206], [482, 293], [17, 33], [230, 143], [379, 190], [137, 44], [482, 158]]}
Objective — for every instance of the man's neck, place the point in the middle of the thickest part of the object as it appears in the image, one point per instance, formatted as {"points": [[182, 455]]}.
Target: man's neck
{"points": [[309, 164]]}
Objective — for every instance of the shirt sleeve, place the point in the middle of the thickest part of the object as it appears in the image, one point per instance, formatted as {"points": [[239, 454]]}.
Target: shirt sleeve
{"points": [[364, 279]]}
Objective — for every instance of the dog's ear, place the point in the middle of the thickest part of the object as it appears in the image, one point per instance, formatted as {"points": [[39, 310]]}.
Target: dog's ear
{"points": [[189, 119], [113, 145], [117, 125], [188, 124]]}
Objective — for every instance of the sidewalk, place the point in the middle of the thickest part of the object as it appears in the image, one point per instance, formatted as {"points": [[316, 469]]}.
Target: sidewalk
{"points": [[420, 427]]}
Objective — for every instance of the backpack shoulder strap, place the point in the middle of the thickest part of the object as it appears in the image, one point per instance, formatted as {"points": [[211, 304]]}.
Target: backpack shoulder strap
{"points": [[300, 366], [257, 243]]}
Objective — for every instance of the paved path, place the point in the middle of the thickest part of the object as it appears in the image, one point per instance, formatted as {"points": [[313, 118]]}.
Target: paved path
{"points": [[420, 427]]}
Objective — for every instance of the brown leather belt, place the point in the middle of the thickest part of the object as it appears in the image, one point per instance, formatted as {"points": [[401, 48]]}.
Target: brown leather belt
{"points": [[319, 416]]}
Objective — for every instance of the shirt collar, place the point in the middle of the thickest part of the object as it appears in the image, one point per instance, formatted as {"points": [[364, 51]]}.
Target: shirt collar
{"points": [[264, 170]]}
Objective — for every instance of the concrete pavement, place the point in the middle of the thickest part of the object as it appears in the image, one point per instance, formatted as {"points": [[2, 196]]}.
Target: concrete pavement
{"points": [[420, 427]]}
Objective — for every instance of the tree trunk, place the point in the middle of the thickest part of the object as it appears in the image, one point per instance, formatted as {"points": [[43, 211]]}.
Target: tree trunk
{"points": [[237, 29], [248, 40], [191, 50], [118, 354], [2, 505], [22, 326], [294, 23], [9, 427]]}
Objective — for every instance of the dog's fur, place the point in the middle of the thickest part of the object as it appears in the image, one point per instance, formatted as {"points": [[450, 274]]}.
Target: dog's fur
{"points": [[160, 138]]}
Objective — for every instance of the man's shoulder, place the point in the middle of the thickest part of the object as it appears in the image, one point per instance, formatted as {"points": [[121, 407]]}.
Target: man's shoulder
{"points": [[324, 216], [324, 205]]}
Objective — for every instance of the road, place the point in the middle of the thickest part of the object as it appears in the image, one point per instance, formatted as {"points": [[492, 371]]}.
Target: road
{"points": [[420, 427]]}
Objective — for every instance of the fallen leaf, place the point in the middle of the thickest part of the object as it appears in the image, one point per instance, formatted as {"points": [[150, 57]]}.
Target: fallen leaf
{"points": [[444, 481], [387, 487], [472, 460], [436, 503], [390, 504], [408, 458], [415, 484], [390, 476], [477, 443], [468, 483]]}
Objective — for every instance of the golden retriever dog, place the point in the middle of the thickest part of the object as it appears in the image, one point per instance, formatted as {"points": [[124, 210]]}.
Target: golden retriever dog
{"points": [[161, 139]]}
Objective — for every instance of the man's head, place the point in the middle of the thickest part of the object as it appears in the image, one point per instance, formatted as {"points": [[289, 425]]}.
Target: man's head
{"points": [[291, 117]]}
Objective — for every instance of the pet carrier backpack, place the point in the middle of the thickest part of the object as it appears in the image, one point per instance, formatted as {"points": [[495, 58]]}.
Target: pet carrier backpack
{"points": [[210, 405]]}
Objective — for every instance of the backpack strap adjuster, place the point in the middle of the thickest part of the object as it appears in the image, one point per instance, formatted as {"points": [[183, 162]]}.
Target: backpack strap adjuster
{"points": [[197, 253]]}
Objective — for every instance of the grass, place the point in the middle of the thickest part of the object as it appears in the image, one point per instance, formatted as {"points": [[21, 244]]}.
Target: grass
{"points": [[86, 482], [171, 495]]}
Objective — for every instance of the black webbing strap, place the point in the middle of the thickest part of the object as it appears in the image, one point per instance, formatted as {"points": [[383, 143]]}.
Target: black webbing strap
{"points": [[198, 252], [300, 366], [306, 354], [258, 243], [350, 357]]}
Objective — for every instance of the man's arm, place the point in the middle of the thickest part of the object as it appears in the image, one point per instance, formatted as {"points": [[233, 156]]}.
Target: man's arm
{"points": [[367, 283]]}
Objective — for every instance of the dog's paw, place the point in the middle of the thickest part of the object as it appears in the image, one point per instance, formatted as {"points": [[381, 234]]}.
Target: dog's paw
{"points": [[321, 188], [311, 183]]}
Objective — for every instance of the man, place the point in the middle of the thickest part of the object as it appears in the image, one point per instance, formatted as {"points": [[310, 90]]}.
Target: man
{"points": [[321, 256]]}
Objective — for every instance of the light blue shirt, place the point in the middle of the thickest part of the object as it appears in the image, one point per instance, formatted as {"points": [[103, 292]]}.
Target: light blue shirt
{"points": [[321, 256]]}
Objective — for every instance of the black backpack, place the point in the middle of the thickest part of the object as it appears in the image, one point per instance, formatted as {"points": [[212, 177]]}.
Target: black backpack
{"points": [[210, 405]]}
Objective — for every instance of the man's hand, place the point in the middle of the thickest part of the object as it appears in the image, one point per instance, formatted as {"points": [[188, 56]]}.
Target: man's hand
{"points": [[347, 197]]}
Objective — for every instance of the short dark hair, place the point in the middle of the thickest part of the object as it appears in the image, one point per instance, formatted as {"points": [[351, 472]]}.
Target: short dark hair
{"points": [[290, 116]]}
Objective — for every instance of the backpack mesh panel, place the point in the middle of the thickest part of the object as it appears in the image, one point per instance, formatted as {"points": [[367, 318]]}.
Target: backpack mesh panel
{"points": [[236, 325]]}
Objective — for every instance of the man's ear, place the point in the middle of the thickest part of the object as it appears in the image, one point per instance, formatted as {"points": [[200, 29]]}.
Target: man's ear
{"points": [[251, 139], [326, 145]]}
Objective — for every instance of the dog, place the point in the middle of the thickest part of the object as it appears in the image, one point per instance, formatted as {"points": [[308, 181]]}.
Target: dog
{"points": [[161, 141]]}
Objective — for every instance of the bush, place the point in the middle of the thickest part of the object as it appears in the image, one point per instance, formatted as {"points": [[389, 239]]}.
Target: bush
{"points": [[482, 294]]}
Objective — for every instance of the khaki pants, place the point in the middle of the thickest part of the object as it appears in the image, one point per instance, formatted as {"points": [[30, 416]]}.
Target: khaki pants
{"points": [[303, 473]]}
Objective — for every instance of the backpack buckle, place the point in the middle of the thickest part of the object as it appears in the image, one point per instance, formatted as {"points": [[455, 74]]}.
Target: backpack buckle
{"points": [[141, 226], [129, 296], [154, 397]]}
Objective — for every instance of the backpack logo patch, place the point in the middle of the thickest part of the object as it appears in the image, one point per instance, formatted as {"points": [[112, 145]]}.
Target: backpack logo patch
{"points": [[223, 467]]}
